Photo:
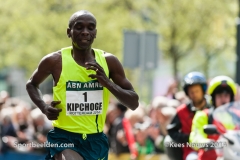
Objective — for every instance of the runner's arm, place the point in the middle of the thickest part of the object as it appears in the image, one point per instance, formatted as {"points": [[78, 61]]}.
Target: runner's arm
{"points": [[121, 88], [39, 75]]}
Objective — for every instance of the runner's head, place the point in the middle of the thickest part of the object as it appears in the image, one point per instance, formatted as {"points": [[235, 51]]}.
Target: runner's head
{"points": [[222, 90], [195, 86], [82, 29]]}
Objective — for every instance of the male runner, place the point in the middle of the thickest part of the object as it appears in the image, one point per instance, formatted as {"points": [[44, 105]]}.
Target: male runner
{"points": [[81, 91]]}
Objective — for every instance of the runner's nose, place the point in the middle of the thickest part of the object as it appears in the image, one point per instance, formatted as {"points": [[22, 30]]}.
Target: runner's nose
{"points": [[85, 32]]}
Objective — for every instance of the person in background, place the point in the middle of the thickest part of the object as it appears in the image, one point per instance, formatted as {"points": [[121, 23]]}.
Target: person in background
{"points": [[222, 90], [174, 103], [144, 144], [22, 123], [1, 103], [194, 86], [41, 127], [182, 97], [117, 140], [172, 90], [161, 114], [4, 96], [8, 133], [158, 104], [17, 127]]}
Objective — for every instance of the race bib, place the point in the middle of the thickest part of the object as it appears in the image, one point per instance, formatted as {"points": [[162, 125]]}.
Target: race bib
{"points": [[84, 98]]}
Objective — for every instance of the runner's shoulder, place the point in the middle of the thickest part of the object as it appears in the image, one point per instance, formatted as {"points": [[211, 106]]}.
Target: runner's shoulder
{"points": [[108, 55], [111, 59], [52, 58]]}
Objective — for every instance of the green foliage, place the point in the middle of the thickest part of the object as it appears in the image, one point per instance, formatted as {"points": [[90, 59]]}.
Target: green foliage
{"points": [[32, 29]]}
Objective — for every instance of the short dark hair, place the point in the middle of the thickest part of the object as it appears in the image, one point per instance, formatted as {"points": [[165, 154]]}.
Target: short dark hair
{"points": [[76, 14]]}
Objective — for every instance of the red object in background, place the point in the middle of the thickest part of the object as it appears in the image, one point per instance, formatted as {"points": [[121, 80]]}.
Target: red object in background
{"points": [[130, 138], [220, 126]]}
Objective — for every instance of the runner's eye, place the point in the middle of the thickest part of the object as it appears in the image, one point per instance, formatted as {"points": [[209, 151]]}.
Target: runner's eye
{"points": [[91, 27], [78, 27]]}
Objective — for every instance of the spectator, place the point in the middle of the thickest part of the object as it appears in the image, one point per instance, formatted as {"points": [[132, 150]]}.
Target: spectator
{"points": [[158, 104], [47, 98], [173, 103], [172, 90], [136, 116], [4, 96], [41, 127], [17, 129], [22, 124], [116, 135], [162, 112], [181, 97], [1, 103], [145, 145], [7, 129]]}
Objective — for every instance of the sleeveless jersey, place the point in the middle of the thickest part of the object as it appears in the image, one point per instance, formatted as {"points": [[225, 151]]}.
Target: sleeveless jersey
{"points": [[84, 101]]}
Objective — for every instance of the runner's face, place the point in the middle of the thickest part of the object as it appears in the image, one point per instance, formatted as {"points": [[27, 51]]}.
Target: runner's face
{"points": [[83, 31], [222, 98], [195, 93]]}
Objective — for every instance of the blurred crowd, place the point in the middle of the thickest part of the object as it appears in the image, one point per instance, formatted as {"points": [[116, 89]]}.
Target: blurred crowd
{"points": [[130, 133], [148, 125], [151, 123], [22, 123]]}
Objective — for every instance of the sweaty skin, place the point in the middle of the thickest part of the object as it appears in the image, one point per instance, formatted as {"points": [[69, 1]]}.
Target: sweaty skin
{"points": [[82, 31]]}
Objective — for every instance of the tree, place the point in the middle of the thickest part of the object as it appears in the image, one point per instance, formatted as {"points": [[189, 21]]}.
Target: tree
{"points": [[190, 31], [32, 31], [188, 28]]}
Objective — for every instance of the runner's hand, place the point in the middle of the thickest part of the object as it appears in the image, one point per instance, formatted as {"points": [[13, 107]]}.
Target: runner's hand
{"points": [[51, 112], [100, 74]]}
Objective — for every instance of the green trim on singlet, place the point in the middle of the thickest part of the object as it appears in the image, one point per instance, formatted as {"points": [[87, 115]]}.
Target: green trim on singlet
{"points": [[74, 73], [97, 123]]}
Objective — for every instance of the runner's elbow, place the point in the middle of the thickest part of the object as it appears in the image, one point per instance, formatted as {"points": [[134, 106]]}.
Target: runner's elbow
{"points": [[29, 85], [134, 105]]}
